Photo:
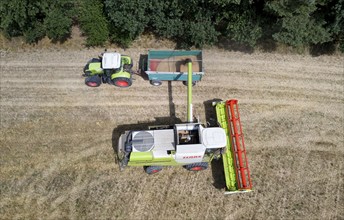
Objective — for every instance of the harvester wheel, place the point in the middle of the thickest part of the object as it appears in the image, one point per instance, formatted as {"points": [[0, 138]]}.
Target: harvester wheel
{"points": [[93, 81], [185, 83], [152, 169], [155, 82], [196, 166], [122, 82]]}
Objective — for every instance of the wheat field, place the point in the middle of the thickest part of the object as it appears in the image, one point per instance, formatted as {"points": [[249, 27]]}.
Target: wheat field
{"points": [[57, 138]]}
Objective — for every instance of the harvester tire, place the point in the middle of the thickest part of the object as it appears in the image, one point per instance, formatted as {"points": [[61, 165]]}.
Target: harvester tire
{"points": [[185, 83], [152, 169], [155, 82], [122, 82], [196, 166], [93, 81]]}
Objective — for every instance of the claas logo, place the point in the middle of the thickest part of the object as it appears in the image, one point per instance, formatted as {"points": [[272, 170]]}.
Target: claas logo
{"points": [[191, 157]]}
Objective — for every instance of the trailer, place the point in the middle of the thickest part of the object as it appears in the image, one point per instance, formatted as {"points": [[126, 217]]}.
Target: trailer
{"points": [[170, 65]]}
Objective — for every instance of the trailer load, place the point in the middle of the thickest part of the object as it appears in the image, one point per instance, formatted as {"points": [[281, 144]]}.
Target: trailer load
{"points": [[165, 65]]}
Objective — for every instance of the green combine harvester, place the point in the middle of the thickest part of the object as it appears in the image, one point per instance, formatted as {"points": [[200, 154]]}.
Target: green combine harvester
{"points": [[191, 144]]}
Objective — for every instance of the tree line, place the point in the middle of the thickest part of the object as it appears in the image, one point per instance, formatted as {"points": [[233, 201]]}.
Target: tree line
{"points": [[296, 23]]}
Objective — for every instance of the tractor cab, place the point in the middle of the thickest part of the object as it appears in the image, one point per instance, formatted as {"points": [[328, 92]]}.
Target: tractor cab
{"points": [[111, 62]]}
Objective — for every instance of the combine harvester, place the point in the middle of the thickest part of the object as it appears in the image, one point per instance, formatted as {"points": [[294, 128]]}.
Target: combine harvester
{"points": [[191, 144]]}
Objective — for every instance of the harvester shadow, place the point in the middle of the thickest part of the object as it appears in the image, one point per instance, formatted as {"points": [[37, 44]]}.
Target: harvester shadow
{"points": [[216, 165], [210, 113]]}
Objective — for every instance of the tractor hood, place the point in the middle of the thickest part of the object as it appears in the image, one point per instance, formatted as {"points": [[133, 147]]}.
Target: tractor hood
{"points": [[214, 137]]}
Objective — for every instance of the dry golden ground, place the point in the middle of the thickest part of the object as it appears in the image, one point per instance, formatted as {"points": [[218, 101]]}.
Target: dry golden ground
{"points": [[57, 138]]}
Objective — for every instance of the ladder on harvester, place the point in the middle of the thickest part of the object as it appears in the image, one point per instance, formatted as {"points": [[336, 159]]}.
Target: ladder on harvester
{"points": [[234, 159]]}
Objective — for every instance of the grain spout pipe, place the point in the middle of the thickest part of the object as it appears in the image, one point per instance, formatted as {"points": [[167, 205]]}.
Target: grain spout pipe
{"points": [[189, 82]]}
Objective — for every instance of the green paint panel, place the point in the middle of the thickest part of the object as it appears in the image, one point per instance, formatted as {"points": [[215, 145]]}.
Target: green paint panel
{"points": [[121, 74], [153, 163], [147, 159], [95, 68], [141, 156], [227, 157], [126, 60]]}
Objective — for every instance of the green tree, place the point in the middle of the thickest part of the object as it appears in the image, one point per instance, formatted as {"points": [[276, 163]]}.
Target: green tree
{"points": [[20, 18], [189, 23], [332, 11], [35, 19], [127, 19], [241, 23], [59, 19], [296, 23], [93, 22]]}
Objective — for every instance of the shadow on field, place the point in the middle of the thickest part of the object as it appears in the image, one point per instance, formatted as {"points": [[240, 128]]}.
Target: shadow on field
{"points": [[143, 62], [218, 174], [216, 165]]}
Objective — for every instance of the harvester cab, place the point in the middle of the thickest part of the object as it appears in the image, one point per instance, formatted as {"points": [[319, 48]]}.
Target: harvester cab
{"points": [[111, 67]]}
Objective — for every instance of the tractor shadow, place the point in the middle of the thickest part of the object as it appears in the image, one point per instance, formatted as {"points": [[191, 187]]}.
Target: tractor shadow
{"points": [[142, 68], [216, 165]]}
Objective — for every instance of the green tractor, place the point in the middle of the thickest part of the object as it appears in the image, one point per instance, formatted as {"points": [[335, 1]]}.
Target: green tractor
{"points": [[111, 68]]}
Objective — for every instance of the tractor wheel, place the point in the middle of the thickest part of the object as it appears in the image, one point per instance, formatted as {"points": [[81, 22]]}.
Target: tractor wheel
{"points": [[196, 166], [155, 82], [122, 82], [93, 81], [185, 83], [152, 169]]}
